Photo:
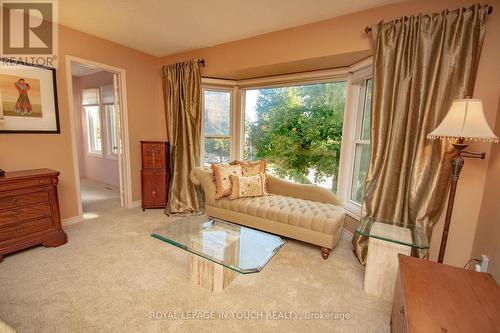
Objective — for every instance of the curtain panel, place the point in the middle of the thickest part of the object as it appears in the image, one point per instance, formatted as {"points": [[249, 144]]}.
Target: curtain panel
{"points": [[182, 97], [421, 64]]}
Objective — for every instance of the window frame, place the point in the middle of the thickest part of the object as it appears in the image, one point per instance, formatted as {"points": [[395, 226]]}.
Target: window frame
{"points": [[105, 129], [90, 152], [226, 87], [109, 133], [352, 136], [92, 133], [334, 76]]}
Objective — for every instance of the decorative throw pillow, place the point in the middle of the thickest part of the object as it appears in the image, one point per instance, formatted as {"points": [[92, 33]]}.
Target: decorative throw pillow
{"points": [[221, 174], [251, 168], [251, 186]]}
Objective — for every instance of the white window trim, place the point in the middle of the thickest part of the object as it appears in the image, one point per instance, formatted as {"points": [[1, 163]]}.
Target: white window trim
{"points": [[87, 134], [352, 124], [109, 142], [221, 86]]}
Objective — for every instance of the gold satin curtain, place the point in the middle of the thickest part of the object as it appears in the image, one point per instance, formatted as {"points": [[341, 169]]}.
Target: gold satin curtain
{"points": [[182, 95], [421, 63]]}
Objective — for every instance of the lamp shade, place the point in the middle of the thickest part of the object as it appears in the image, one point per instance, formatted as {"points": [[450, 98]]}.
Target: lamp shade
{"points": [[466, 120]]}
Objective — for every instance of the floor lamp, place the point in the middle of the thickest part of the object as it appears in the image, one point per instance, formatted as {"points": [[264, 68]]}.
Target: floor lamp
{"points": [[464, 121]]}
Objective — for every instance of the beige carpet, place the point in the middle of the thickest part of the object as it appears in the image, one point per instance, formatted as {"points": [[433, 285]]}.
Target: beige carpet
{"points": [[112, 275]]}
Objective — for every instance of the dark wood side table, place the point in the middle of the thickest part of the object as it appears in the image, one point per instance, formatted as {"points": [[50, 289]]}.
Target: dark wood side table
{"points": [[154, 174], [29, 210], [432, 297]]}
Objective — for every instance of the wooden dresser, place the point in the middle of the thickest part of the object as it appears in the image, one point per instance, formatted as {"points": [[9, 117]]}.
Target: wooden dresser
{"points": [[154, 174], [29, 210], [432, 297]]}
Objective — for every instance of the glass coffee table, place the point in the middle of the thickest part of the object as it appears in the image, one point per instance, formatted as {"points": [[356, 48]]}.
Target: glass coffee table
{"points": [[387, 239], [219, 249]]}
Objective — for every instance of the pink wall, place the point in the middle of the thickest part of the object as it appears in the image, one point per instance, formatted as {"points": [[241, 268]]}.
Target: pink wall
{"points": [[100, 169], [486, 238]]}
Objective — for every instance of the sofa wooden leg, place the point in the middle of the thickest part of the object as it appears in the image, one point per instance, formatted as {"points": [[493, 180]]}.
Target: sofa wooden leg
{"points": [[325, 252]]}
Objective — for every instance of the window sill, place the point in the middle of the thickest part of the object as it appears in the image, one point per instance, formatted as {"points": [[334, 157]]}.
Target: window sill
{"points": [[353, 210], [95, 155]]}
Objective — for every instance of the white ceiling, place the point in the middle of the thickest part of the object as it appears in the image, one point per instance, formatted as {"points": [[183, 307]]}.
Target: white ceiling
{"points": [[163, 27]]}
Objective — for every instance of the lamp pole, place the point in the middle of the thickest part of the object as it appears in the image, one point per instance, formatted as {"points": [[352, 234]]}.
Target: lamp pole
{"points": [[457, 164]]}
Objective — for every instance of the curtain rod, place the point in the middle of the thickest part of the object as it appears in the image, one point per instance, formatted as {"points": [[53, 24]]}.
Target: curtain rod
{"points": [[369, 29]]}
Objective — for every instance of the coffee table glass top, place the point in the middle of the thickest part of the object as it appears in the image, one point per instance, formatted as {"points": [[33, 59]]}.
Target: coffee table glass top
{"points": [[239, 248], [406, 234]]}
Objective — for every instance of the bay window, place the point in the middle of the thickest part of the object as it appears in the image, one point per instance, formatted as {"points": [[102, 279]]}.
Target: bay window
{"points": [[311, 128]]}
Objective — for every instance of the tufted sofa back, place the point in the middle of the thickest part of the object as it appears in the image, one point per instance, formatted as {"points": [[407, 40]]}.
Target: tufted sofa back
{"points": [[203, 176]]}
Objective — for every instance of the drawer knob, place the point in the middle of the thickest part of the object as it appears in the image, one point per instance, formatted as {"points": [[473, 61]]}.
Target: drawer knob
{"points": [[41, 181], [14, 201]]}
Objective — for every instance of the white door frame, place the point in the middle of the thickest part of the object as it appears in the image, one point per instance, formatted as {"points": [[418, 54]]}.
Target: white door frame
{"points": [[124, 144]]}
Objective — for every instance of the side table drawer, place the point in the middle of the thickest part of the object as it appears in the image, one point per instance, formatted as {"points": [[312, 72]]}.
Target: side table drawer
{"points": [[25, 213], [23, 199], [25, 228], [26, 183]]}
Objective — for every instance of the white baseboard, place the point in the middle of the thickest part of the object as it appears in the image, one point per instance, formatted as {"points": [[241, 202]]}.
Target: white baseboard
{"points": [[72, 220], [346, 235], [136, 204]]}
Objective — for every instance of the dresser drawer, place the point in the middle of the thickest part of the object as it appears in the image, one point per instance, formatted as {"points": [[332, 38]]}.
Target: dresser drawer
{"points": [[24, 213], [153, 155], [24, 228], [24, 183], [23, 199]]}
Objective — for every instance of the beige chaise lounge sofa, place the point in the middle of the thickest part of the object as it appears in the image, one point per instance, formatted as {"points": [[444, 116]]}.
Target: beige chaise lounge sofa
{"points": [[305, 212]]}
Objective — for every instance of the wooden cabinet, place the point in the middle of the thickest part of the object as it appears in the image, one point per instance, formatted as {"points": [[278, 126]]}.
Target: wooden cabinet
{"points": [[29, 210], [432, 297], [154, 174]]}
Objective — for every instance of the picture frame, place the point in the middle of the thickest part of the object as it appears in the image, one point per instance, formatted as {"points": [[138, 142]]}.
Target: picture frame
{"points": [[28, 98]]}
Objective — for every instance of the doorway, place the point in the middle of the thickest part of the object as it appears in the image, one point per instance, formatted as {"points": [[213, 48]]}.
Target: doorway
{"points": [[100, 137]]}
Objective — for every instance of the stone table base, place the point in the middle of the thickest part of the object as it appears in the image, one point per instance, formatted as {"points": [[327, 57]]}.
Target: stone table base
{"points": [[208, 274]]}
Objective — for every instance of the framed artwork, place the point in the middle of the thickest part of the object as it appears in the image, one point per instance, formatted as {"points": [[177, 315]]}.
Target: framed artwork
{"points": [[28, 98]]}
